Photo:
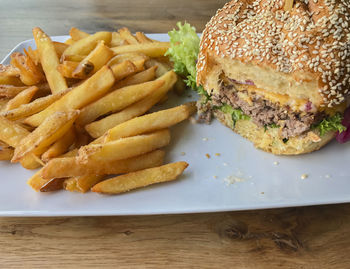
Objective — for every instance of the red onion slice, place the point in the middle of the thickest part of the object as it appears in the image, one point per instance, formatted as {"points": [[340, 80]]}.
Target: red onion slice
{"points": [[344, 137]]}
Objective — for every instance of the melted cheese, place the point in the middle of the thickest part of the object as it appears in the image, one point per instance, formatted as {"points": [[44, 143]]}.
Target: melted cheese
{"points": [[282, 99]]}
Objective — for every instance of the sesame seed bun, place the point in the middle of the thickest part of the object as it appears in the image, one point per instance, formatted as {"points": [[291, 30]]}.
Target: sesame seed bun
{"points": [[303, 53], [270, 141]]}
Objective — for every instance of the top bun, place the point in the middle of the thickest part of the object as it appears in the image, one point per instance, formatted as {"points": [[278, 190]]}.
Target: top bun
{"points": [[303, 53]]}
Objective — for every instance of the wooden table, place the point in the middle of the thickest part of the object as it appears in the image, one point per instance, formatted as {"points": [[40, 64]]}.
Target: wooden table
{"points": [[309, 237]]}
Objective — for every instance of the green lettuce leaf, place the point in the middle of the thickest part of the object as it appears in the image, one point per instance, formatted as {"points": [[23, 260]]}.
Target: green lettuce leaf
{"points": [[333, 123], [183, 52], [236, 114]]}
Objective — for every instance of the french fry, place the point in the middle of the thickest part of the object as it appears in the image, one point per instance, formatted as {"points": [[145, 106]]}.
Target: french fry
{"points": [[151, 122], [53, 128], [85, 45], [36, 106], [124, 148], [82, 183], [71, 167], [72, 58], [60, 146], [141, 77], [69, 41], [10, 91], [12, 134], [127, 36], [117, 40], [155, 49], [3, 104], [141, 38], [98, 128], [83, 137], [117, 100], [23, 97], [30, 74], [138, 59], [123, 70], [179, 86], [71, 153], [36, 181], [97, 58], [49, 61], [162, 67], [90, 90], [6, 154], [138, 179], [54, 184], [10, 80], [9, 70], [32, 54], [77, 34], [66, 68], [59, 48]]}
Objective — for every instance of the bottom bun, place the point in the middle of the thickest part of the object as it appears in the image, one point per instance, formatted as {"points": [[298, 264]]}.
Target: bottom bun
{"points": [[270, 141]]}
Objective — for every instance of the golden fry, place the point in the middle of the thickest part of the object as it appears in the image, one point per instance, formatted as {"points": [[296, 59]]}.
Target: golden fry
{"points": [[138, 59], [98, 128], [49, 61], [141, 178], [156, 49], [32, 54], [117, 40], [82, 183], [36, 181], [3, 104], [123, 70], [77, 34], [60, 146], [72, 58], [6, 154], [9, 70], [54, 184], [9, 91], [53, 128], [141, 38], [36, 106], [87, 92], [71, 167], [85, 45], [22, 98], [69, 41], [127, 36], [10, 80], [30, 73], [12, 134], [124, 148], [97, 58], [59, 48], [162, 67], [66, 68], [141, 77], [151, 122], [117, 100]]}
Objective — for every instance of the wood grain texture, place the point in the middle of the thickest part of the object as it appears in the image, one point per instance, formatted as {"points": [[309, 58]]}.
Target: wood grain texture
{"points": [[309, 237]]}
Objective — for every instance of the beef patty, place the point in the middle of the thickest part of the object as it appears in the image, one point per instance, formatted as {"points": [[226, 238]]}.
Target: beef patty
{"points": [[264, 113]]}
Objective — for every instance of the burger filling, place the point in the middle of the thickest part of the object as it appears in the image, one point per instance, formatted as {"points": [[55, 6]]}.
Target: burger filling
{"points": [[262, 112]]}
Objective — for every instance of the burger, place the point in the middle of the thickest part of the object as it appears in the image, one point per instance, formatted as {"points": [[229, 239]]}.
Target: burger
{"points": [[277, 72]]}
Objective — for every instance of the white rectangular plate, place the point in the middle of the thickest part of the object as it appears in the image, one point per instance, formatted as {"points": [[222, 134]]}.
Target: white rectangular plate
{"points": [[260, 180]]}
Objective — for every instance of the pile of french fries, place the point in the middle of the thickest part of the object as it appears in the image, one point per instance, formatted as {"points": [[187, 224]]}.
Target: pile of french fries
{"points": [[79, 111]]}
